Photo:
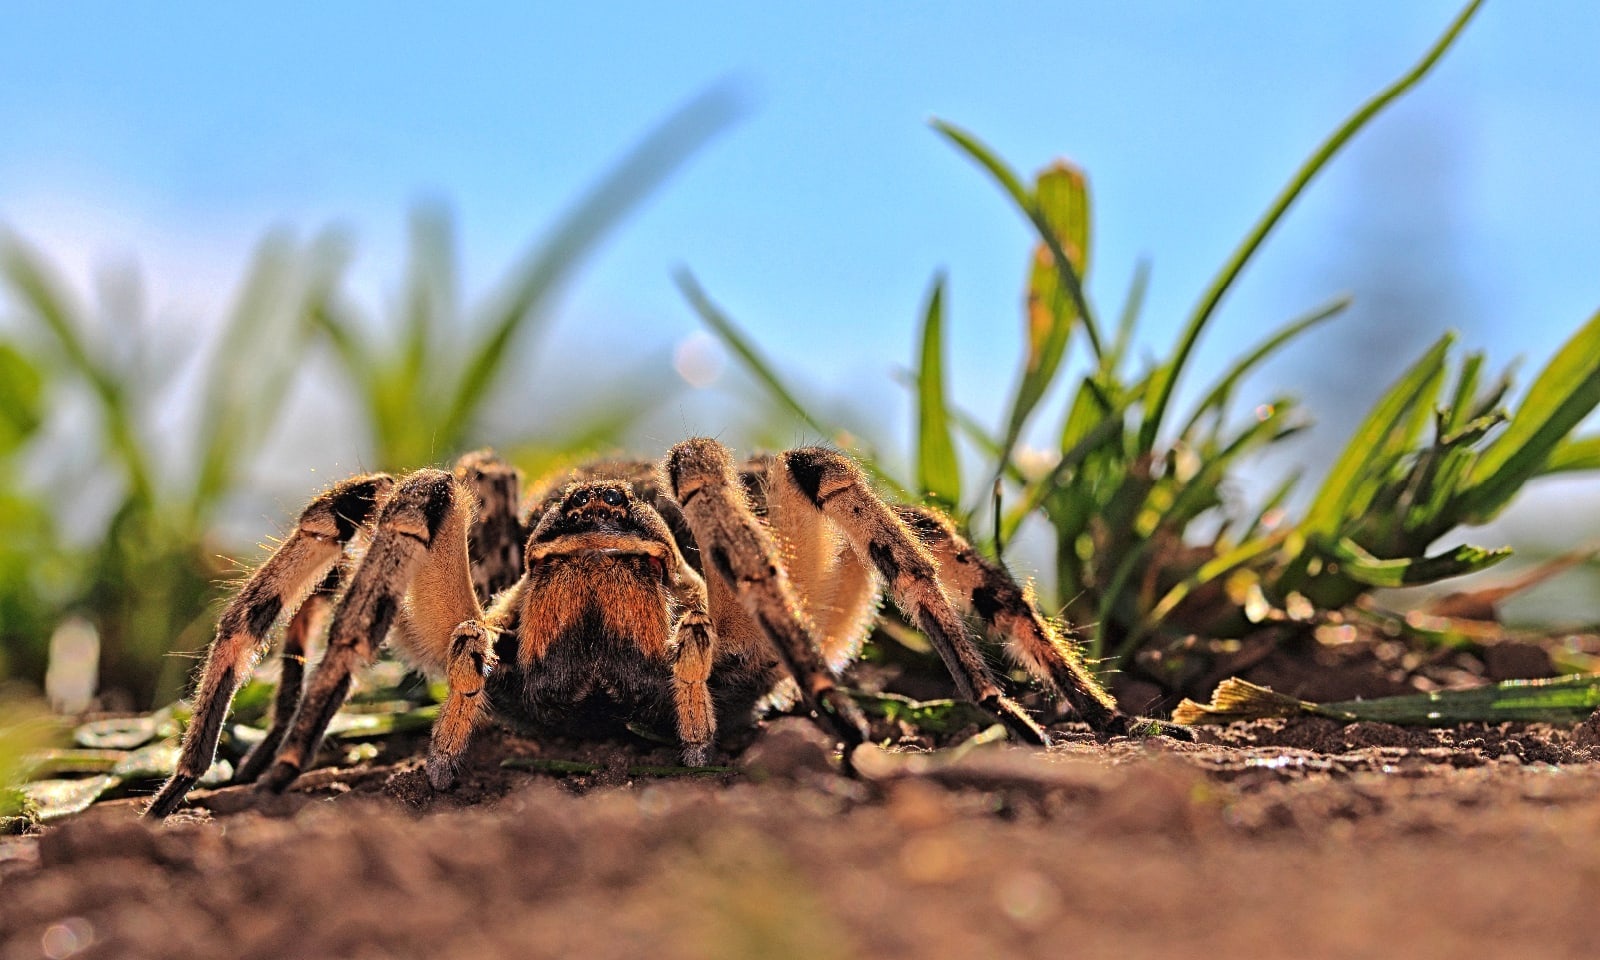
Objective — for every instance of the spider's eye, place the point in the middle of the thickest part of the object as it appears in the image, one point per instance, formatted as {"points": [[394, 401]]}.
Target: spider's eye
{"points": [[578, 499], [613, 497]]}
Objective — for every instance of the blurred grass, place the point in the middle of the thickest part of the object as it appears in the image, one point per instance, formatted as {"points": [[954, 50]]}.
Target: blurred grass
{"points": [[144, 573]]}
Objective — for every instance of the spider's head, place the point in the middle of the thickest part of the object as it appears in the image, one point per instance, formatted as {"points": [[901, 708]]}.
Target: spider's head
{"points": [[603, 517]]}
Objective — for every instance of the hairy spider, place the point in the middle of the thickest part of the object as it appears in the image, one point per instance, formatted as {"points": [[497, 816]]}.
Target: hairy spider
{"points": [[685, 596]]}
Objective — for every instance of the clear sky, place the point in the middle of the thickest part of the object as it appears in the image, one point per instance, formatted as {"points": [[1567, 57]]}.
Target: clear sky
{"points": [[176, 134]]}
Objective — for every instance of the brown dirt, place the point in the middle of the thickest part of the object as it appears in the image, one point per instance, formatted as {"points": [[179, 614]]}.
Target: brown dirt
{"points": [[1281, 838]]}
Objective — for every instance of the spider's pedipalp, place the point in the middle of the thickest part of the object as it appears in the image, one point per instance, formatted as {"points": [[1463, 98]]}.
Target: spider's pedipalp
{"points": [[472, 662], [980, 586], [281, 584], [694, 652], [837, 488], [736, 547], [418, 548]]}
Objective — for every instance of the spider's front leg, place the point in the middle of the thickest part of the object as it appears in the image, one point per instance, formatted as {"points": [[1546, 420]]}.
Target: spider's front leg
{"points": [[282, 584], [833, 484], [419, 548], [739, 549]]}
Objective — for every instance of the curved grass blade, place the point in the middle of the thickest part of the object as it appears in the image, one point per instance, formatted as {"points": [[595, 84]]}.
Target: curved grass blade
{"points": [[1577, 453], [1217, 398], [1348, 486], [1167, 375], [1068, 274], [641, 171], [40, 291], [1563, 394], [938, 469], [1561, 699], [21, 398], [1359, 565], [745, 349]]}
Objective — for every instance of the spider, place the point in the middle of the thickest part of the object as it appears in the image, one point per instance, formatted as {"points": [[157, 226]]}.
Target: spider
{"points": [[687, 596]]}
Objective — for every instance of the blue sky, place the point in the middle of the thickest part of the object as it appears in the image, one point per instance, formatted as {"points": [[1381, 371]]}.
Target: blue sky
{"points": [[175, 136]]}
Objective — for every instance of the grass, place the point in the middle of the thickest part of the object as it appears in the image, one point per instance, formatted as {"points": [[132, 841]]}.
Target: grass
{"points": [[1134, 477], [1132, 481]]}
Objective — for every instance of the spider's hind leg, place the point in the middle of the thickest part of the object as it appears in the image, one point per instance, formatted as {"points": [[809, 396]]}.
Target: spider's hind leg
{"points": [[837, 488], [281, 584], [740, 551], [1009, 614]]}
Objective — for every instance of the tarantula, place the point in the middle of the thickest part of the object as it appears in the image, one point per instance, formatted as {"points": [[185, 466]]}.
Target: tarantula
{"points": [[686, 596]]}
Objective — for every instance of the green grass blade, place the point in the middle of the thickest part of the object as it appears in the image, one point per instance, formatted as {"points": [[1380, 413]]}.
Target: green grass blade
{"points": [[1357, 564], [256, 359], [1132, 307], [1217, 567], [938, 469], [1273, 502], [645, 167], [1167, 375], [1563, 394], [1062, 198], [1035, 494], [735, 340], [1465, 394], [1577, 453], [1348, 482], [1029, 206], [21, 398], [1280, 422], [430, 302], [1217, 398]]}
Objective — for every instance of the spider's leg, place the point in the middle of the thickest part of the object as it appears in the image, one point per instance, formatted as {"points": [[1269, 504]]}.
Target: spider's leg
{"points": [[472, 662], [694, 649], [840, 593], [307, 622], [496, 538], [418, 550], [836, 486], [281, 584], [739, 549], [1008, 613]]}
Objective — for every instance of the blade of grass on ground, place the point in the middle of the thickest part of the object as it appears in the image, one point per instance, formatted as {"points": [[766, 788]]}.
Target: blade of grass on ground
{"points": [[1563, 699]]}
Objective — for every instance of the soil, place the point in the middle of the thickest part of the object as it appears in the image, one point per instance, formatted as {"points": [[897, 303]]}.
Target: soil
{"points": [[1299, 838]]}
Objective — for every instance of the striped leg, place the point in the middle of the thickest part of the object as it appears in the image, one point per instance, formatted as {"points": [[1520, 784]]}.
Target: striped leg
{"points": [[281, 584], [1008, 613], [307, 622], [835, 485], [739, 550]]}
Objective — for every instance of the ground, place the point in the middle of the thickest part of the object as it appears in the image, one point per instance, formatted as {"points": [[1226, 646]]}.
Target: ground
{"points": [[1297, 838]]}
